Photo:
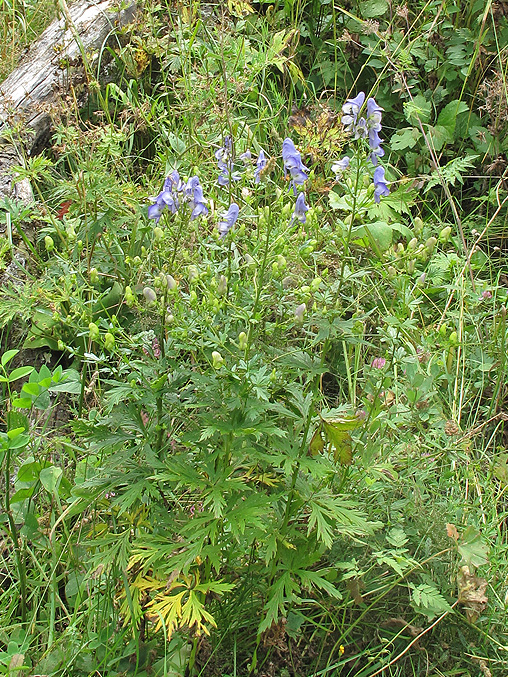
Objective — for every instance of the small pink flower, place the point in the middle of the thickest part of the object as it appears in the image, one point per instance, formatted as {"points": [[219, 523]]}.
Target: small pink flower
{"points": [[156, 348], [145, 418], [486, 294], [378, 363]]}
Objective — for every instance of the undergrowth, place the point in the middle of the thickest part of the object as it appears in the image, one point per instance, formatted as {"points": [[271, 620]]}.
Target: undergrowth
{"points": [[253, 397]]}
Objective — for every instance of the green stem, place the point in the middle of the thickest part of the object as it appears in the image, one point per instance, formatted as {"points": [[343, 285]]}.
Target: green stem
{"points": [[258, 282], [352, 217], [15, 539]]}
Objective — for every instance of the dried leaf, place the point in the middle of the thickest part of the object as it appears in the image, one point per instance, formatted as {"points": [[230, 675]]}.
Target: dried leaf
{"points": [[472, 593], [451, 531], [354, 585]]}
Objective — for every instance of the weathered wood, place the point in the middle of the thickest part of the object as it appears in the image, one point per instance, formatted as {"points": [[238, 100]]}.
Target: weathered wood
{"points": [[52, 64]]}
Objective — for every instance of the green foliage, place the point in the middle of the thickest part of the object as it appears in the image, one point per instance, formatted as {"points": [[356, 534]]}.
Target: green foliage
{"points": [[269, 437]]}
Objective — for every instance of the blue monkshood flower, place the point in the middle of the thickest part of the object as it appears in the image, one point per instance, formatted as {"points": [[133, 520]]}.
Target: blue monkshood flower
{"points": [[164, 200], [380, 185], [300, 209], [339, 166], [293, 164], [351, 110], [260, 165], [194, 195], [228, 220], [177, 184]]}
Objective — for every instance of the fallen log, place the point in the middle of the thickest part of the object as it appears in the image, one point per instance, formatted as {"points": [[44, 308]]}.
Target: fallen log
{"points": [[62, 57]]}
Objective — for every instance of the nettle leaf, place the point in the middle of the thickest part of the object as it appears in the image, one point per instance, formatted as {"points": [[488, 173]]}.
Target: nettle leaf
{"points": [[447, 118], [403, 139], [427, 600], [417, 110]]}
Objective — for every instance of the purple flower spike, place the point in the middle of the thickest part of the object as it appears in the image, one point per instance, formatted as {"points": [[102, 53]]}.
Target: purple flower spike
{"points": [[225, 163], [379, 362], [380, 185], [229, 220]]}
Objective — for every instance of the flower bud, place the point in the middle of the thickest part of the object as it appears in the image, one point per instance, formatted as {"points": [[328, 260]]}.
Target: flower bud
{"points": [[70, 232], [150, 295], [217, 360], [94, 275], [170, 318], [130, 299], [80, 246], [158, 233], [109, 341], [193, 297], [93, 331], [222, 286], [49, 243], [413, 244], [193, 274], [242, 340], [391, 272], [444, 235], [315, 284], [430, 244], [421, 279], [411, 266], [418, 225], [171, 282], [281, 262], [300, 312], [454, 339], [60, 345]]}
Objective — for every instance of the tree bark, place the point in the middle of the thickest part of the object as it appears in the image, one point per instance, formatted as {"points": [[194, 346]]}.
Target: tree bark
{"points": [[52, 66]]}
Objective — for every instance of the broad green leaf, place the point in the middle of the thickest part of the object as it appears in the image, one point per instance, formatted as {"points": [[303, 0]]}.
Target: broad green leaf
{"points": [[373, 8], [21, 402], [50, 478], [31, 388], [7, 356], [20, 372], [22, 494], [380, 231]]}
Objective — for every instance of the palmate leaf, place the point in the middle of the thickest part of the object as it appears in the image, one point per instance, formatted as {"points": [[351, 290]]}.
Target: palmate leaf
{"points": [[181, 604], [331, 515]]}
